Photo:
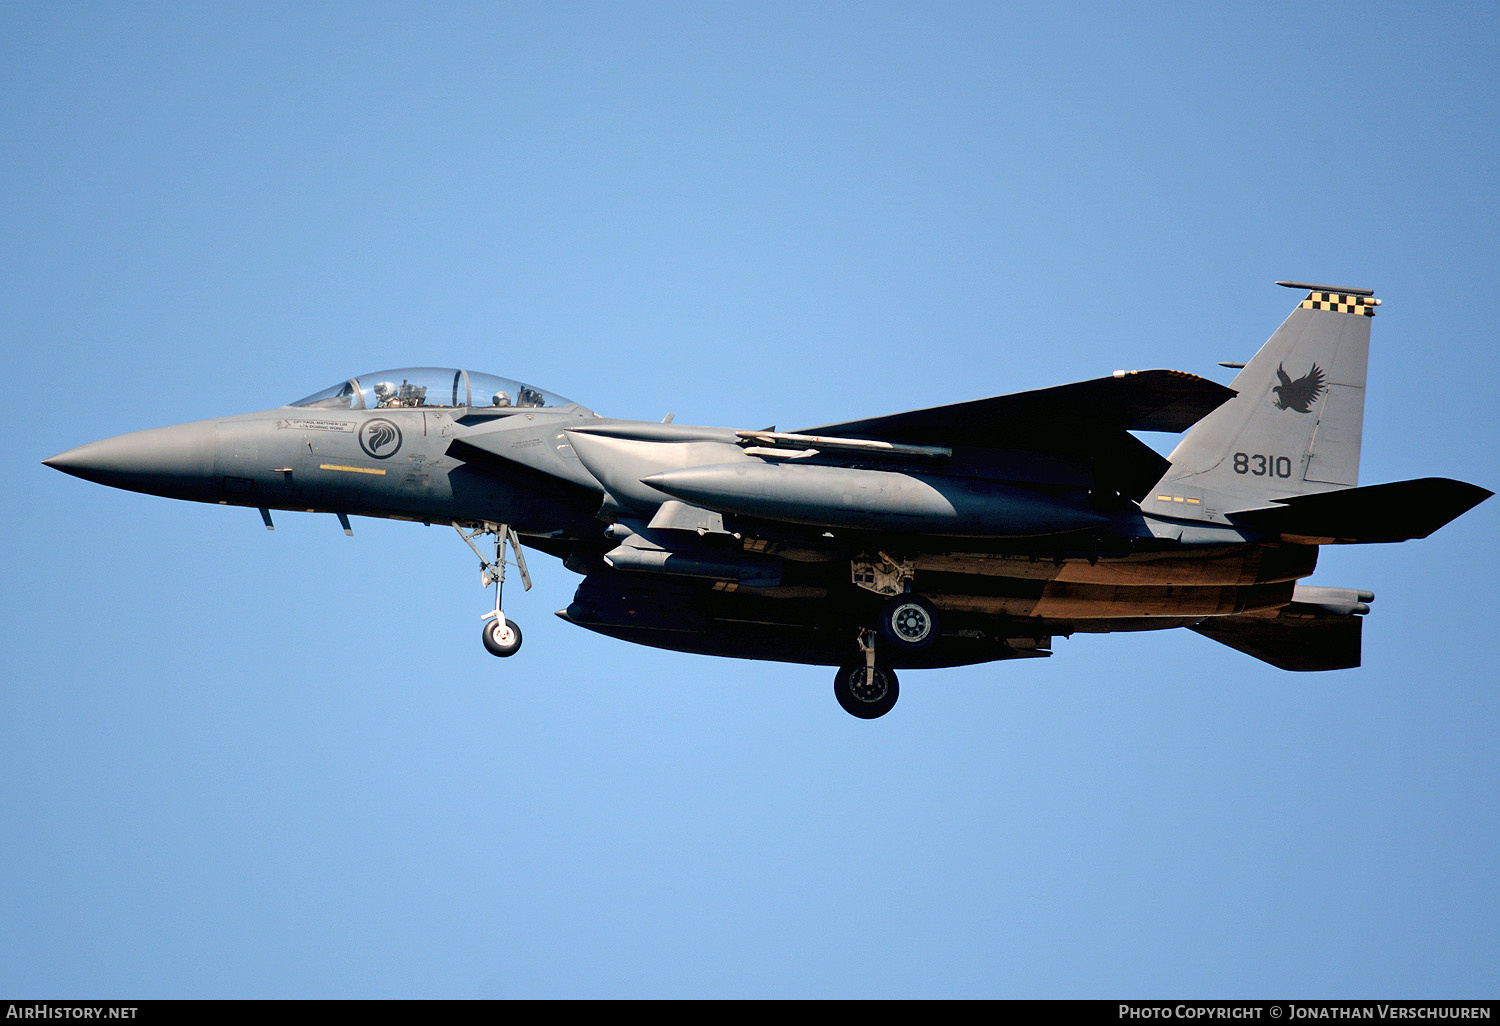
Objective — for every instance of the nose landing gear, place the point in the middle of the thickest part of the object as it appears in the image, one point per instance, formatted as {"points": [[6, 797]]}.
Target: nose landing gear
{"points": [[502, 637]]}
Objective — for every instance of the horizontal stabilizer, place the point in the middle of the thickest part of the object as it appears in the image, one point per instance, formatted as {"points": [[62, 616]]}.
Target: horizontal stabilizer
{"points": [[1391, 512], [1150, 400], [1331, 643], [1304, 636]]}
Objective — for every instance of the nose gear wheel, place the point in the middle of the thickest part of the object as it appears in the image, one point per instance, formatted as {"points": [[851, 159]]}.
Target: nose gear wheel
{"points": [[501, 636]]}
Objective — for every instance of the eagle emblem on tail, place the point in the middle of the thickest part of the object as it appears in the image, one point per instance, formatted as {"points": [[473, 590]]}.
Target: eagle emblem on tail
{"points": [[1298, 395]]}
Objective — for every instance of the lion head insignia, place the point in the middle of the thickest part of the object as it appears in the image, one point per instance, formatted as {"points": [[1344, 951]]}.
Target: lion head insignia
{"points": [[380, 438], [1299, 395]]}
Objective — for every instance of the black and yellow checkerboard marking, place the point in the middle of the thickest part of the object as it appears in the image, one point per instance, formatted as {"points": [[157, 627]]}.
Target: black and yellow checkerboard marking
{"points": [[1339, 302]]}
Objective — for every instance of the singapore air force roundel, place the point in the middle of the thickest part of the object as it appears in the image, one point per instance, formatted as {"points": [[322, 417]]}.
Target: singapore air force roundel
{"points": [[380, 438]]}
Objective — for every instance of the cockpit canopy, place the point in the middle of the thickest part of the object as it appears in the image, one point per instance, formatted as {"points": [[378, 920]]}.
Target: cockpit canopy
{"points": [[429, 388]]}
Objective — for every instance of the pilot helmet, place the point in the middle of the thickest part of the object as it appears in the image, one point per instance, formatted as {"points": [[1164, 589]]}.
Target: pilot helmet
{"points": [[384, 390], [502, 399]]}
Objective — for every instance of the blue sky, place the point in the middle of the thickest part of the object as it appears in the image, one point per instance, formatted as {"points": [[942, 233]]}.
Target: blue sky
{"points": [[236, 763]]}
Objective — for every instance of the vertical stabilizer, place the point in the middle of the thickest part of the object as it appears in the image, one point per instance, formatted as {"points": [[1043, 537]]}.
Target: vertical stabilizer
{"points": [[1293, 428]]}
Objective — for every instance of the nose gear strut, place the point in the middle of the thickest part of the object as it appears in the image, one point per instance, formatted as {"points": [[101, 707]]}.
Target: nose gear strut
{"points": [[502, 637]]}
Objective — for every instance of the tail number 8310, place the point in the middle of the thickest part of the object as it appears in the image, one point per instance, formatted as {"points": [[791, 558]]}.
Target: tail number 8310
{"points": [[1255, 464]]}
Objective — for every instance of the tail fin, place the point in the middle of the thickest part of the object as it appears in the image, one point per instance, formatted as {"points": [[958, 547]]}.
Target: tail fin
{"points": [[1293, 428]]}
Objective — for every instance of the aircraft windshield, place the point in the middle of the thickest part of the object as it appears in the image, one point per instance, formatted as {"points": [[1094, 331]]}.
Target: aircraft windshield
{"points": [[428, 388]]}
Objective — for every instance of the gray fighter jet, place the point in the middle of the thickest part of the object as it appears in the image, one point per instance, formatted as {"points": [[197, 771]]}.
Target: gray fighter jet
{"points": [[937, 537]]}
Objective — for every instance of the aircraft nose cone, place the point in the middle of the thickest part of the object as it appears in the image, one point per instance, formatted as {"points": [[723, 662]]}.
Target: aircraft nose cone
{"points": [[162, 461]]}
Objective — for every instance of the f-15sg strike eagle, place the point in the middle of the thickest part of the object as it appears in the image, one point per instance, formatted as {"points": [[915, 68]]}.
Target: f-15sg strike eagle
{"points": [[938, 537]]}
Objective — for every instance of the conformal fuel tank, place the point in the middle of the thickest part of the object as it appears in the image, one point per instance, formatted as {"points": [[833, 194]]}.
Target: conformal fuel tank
{"points": [[874, 500]]}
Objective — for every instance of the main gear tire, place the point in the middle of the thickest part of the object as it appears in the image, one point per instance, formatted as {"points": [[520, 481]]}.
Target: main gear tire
{"points": [[908, 623], [865, 693]]}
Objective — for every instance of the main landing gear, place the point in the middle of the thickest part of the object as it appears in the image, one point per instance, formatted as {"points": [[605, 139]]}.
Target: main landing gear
{"points": [[908, 622], [501, 636], [865, 686]]}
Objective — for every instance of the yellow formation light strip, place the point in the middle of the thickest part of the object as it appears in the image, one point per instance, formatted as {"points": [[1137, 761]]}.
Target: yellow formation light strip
{"points": [[1340, 302], [1178, 498], [350, 470]]}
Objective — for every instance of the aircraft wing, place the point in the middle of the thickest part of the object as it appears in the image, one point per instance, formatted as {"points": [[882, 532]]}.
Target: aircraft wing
{"points": [[1061, 416]]}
